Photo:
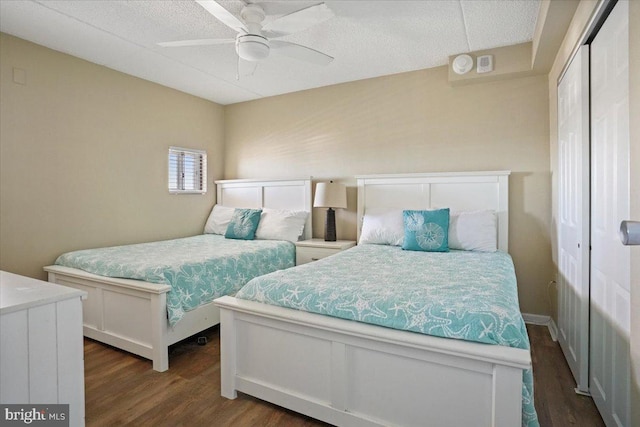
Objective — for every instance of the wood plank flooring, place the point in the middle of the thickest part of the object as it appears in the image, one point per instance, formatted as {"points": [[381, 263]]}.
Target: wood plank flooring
{"points": [[557, 404], [122, 389]]}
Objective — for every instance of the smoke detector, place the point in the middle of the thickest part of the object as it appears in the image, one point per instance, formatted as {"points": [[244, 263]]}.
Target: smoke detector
{"points": [[462, 64]]}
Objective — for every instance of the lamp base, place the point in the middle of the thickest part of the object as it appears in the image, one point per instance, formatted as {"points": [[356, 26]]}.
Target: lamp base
{"points": [[330, 226]]}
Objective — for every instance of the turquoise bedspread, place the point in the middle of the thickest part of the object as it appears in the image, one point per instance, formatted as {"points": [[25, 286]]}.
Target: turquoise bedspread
{"points": [[460, 294], [199, 268]]}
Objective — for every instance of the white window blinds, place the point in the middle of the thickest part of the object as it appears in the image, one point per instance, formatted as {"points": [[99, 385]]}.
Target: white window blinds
{"points": [[187, 170]]}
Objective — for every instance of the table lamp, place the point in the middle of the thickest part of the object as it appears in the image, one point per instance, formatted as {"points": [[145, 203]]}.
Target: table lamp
{"points": [[330, 195]]}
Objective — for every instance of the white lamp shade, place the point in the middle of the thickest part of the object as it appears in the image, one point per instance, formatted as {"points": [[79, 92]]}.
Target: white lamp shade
{"points": [[330, 195]]}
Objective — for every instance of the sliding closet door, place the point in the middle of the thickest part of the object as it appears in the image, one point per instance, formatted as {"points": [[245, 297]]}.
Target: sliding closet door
{"points": [[610, 260], [573, 217]]}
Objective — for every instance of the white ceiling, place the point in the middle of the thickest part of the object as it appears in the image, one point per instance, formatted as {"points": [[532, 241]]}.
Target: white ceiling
{"points": [[367, 38]]}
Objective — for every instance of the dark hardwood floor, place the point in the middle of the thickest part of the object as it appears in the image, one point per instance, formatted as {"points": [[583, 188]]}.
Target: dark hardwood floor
{"points": [[557, 404], [122, 389]]}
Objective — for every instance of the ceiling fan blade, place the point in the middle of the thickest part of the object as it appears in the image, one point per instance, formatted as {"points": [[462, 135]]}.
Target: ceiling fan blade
{"points": [[298, 20], [300, 52], [223, 15], [199, 42]]}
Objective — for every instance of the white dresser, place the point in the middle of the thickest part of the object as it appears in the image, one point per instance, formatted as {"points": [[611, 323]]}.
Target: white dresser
{"points": [[41, 345]]}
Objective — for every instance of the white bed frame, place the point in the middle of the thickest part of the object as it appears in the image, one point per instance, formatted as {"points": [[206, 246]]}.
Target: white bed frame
{"points": [[350, 373], [132, 314]]}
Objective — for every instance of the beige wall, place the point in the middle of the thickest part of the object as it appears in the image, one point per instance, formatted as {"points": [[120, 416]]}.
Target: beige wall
{"points": [[83, 152], [413, 122], [578, 25]]}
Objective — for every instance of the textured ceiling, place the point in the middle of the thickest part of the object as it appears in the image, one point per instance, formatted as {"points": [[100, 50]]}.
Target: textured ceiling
{"points": [[366, 38]]}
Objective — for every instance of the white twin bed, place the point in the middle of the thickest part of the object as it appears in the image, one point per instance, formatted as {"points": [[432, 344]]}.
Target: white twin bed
{"points": [[354, 373], [132, 314]]}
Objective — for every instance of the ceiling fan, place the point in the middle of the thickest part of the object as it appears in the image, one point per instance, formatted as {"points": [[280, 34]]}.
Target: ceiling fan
{"points": [[255, 41]]}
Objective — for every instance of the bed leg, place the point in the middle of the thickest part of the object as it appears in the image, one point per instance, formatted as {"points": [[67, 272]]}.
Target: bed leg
{"points": [[507, 396], [159, 337], [227, 354], [161, 362]]}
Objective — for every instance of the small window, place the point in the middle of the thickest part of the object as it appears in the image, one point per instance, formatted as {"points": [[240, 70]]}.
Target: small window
{"points": [[187, 170]]}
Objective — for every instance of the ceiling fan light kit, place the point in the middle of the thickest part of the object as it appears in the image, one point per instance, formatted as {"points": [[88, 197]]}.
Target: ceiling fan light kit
{"points": [[252, 47]]}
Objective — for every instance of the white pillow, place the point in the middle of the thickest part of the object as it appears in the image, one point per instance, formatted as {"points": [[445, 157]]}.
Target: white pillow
{"points": [[473, 231], [218, 220], [382, 226], [278, 224]]}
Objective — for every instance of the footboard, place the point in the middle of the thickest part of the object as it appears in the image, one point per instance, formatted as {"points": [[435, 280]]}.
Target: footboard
{"points": [[132, 314], [349, 373], [127, 314]]}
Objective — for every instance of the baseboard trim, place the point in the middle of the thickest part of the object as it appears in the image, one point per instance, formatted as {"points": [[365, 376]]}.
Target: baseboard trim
{"points": [[582, 392], [536, 319], [542, 320], [553, 329]]}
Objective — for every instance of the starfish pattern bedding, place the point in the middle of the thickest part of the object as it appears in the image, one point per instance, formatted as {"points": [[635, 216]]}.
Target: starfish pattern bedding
{"points": [[460, 294], [199, 268]]}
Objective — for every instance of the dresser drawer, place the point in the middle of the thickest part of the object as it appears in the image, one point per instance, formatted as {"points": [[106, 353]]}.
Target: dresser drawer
{"points": [[315, 249], [305, 255]]}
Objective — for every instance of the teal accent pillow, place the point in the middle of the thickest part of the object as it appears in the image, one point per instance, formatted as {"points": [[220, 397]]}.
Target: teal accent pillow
{"points": [[243, 225], [426, 231]]}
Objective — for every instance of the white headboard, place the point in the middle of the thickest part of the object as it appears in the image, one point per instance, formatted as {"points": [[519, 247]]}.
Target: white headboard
{"points": [[459, 191], [292, 194]]}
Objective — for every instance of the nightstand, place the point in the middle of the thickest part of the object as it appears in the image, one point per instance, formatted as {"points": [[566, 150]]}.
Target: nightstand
{"points": [[315, 249]]}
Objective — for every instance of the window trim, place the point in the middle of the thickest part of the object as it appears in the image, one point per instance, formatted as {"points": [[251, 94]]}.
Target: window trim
{"points": [[200, 174]]}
